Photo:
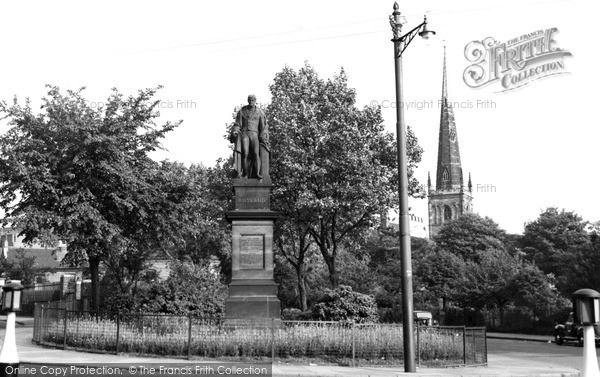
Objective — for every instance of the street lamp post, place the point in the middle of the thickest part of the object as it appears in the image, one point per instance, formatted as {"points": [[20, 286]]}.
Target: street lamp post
{"points": [[400, 44], [11, 301], [586, 312]]}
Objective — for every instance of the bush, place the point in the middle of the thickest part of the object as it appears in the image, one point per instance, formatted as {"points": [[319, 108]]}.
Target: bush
{"points": [[190, 290], [117, 302], [343, 304], [295, 314]]}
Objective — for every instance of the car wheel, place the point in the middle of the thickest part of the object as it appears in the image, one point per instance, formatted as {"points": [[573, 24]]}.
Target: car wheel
{"points": [[558, 339], [580, 340]]}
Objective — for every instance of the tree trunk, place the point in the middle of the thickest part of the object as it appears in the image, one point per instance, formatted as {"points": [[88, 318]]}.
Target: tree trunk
{"points": [[302, 288], [333, 274], [95, 274], [330, 262]]}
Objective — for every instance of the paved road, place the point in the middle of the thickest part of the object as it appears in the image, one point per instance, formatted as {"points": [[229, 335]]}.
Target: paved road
{"points": [[567, 355]]}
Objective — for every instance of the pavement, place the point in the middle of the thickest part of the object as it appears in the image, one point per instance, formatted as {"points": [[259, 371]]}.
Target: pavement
{"points": [[501, 366]]}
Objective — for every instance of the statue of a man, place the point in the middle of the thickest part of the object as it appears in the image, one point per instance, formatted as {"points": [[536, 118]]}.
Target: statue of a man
{"points": [[251, 137]]}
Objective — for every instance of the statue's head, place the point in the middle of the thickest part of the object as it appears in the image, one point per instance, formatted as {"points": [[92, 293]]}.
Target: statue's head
{"points": [[251, 100]]}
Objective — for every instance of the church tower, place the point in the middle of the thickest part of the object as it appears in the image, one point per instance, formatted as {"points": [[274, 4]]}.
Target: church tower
{"points": [[451, 198]]}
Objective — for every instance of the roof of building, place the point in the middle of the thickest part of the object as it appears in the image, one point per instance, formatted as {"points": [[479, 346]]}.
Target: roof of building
{"points": [[44, 257]]}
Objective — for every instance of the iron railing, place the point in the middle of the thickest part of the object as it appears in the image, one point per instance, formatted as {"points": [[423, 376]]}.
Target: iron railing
{"points": [[224, 338]]}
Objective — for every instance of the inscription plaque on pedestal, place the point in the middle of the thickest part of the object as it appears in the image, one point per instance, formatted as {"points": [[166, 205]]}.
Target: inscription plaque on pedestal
{"points": [[252, 252], [252, 197]]}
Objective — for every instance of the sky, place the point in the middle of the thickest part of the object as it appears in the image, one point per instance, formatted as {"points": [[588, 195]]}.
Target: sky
{"points": [[527, 148]]}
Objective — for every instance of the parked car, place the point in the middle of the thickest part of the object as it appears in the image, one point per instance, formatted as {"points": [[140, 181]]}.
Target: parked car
{"points": [[570, 331]]}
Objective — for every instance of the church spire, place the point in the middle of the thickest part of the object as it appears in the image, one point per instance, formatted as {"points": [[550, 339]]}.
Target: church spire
{"points": [[428, 181], [444, 82], [470, 184], [451, 198], [449, 170]]}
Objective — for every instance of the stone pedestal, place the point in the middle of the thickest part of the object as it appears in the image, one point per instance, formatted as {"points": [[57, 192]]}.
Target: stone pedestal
{"points": [[252, 292]]}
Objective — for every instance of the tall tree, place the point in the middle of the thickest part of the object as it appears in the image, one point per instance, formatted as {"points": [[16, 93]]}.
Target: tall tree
{"points": [[202, 230], [442, 275], [334, 165], [488, 267], [535, 291], [553, 239], [165, 204], [78, 173], [488, 280]]}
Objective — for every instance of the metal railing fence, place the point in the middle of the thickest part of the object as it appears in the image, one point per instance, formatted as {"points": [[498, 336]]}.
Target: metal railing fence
{"points": [[44, 292], [189, 336]]}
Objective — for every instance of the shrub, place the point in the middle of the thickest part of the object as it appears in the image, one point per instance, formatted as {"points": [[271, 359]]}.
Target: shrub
{"points": [[115, 301], [292, 314], [190, 290], [343, 304], [295, 314]]}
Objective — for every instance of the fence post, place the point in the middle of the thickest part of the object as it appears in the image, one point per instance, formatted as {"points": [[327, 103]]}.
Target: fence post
{"points": [[272, 339], [42, 326], [485, 345], [465, 345], [36, 319], [118, 330], [65, 332], [353, 346], [189, 345], [77, 327], [474, 346], [418, 343]]}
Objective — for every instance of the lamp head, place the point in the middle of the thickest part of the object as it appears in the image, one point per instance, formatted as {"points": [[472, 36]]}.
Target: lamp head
{"points": [[586, 307], [425, 33], [12, 296]]}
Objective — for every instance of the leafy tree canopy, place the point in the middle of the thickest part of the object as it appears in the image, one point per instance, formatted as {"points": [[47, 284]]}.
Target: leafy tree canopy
{"points": [[21, 267], [442, 274], [333, 165], [553, 239], [470, 235], [82, 174], [535, 290]]}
